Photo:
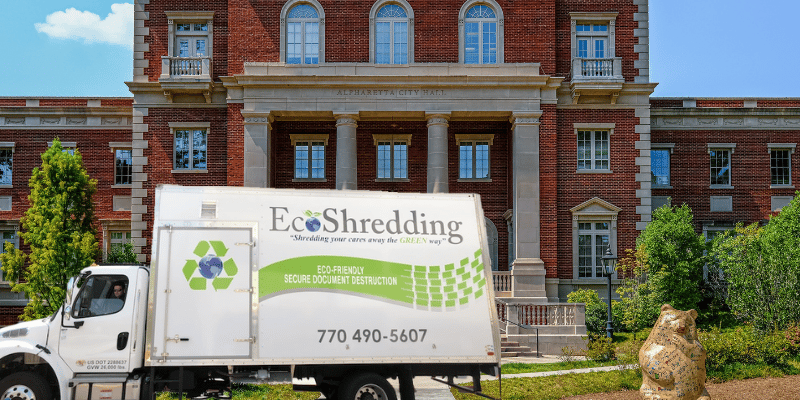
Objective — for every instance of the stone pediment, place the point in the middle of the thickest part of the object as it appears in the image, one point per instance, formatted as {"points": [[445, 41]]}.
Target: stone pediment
{"points": [[595, 206]]}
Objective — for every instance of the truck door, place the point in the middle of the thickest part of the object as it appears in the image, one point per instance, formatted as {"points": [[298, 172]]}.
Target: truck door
{"points": [[103, 314], [204, 311]]}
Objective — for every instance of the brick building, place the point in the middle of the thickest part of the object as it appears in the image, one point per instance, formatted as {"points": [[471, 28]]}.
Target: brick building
{"points": [[543, 108]]}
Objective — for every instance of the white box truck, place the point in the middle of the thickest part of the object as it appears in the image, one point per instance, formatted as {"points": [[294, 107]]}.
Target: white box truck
{"points": [[350, 288]]}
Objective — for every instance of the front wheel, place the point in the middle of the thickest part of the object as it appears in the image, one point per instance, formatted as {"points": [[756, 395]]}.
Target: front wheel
{"points": [[24, 386], [366, 386]]}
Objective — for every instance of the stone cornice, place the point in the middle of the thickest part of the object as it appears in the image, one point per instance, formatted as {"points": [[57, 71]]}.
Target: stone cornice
{"points": [[65, 118], [729, 118]]}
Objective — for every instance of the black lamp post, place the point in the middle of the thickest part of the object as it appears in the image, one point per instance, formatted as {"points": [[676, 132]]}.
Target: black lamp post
{"points": [[609, 262]]}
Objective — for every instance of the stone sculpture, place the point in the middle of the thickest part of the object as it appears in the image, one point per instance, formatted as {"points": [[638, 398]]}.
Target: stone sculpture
{"points": [[672, 359]]}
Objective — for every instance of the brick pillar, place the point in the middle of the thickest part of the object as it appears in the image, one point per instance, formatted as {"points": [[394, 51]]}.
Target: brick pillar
{"points": [[528, 268], [437, 152], [346, 152]]}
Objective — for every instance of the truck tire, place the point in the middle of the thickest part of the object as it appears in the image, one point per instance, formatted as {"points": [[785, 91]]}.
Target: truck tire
{"points": [[366, 386], [24, 386]]}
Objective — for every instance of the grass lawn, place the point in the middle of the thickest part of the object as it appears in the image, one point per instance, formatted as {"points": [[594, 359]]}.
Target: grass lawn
{"points": [[520, 368]]}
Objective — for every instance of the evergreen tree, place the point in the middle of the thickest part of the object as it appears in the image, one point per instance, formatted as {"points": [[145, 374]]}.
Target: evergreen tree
{"points": [[58, 228]]}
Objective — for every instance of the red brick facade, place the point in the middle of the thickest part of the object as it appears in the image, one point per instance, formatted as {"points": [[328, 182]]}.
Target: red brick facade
{"points": [[252, 102]]}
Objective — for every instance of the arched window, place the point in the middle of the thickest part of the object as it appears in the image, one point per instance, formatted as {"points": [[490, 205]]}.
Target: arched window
{"points": [[302, 32], [391, 35], [481, 33], [392, 25]]}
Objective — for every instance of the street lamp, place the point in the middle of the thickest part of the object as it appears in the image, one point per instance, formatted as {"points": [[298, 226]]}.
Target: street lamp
{"points": [[609, 262]]}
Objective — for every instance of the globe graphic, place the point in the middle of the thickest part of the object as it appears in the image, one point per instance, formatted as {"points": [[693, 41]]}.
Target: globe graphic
{"points": [[312, 224], [210, 266]]}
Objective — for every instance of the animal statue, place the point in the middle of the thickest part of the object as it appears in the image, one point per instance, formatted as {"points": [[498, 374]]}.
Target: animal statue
{"points": [[673, 361]]}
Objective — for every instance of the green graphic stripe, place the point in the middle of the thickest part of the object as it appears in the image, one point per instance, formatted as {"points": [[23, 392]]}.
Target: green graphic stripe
{"points": [[436, 287]]}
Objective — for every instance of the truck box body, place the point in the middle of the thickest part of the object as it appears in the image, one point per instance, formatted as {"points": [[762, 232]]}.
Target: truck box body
{"points": [[269, 277]]}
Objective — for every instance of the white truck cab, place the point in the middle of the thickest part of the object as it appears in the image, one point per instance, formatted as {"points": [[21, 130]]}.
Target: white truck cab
{"points": [[96, 334]]}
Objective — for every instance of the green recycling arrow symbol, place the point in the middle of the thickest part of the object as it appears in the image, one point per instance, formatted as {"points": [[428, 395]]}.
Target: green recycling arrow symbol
{"points": [[214, 249]]}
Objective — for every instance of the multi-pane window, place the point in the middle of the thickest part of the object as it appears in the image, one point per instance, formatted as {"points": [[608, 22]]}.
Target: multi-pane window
{"points": [[592, 48], [191, 39], [117, 240], [123, 167], [593, 240], [780, 167], [593, 149], [7, 237], [720, 166], [473, 159], [391, 35], [480, 35], [191, 149], [659, 167], [592, 40], [6, 165], [302, 35], [309, 160], [392, 159]]}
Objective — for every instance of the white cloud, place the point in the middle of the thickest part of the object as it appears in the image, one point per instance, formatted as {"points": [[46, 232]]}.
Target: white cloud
{"points": [[116, 28]]}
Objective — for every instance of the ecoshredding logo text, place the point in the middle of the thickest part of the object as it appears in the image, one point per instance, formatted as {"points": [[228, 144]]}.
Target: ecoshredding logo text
{"points": [[411, 223]]}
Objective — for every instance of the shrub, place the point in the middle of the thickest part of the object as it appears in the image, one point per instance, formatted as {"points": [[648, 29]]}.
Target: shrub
{"points": [[792, 335], [743, 345], [600, 348], [596, 310]]}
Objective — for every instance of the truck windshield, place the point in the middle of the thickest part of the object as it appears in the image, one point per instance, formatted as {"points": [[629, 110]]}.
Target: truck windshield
{"points": [[101, 295]]}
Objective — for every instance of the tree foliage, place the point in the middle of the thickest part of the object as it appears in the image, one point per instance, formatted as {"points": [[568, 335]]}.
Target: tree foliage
{"points": [[762, 267], [122, 254], [637, 298], [673, 257], [57, 227]]}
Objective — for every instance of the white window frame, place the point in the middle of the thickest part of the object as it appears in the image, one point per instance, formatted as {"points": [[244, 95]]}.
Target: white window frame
{"points": [[500, 35], [309, 138], [121, 146], [190, 17], [662, 147], [373, 33], [790, 147], [473, 139], [593, 127], [590, 18], [593, 211], [393, 140], [11, 146], [728, 147], [111, 227], [67, 147], [190, 126], [14, 230], [284, 35]]}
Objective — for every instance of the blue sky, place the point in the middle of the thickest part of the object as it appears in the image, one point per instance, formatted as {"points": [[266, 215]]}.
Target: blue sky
{"points": [[698, 48]]}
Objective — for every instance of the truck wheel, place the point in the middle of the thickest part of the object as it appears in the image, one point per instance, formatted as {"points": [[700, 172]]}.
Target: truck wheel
{"points": [[24, 386], [366, 386]]}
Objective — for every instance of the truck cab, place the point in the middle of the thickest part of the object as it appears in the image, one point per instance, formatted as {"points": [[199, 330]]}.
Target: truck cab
{"points": [[87, 349]]}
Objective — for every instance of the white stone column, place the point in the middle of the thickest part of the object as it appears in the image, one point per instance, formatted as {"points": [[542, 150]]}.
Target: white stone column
{"points": [[257, 136], [528, 268], [437, 152], [346, 152]]}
